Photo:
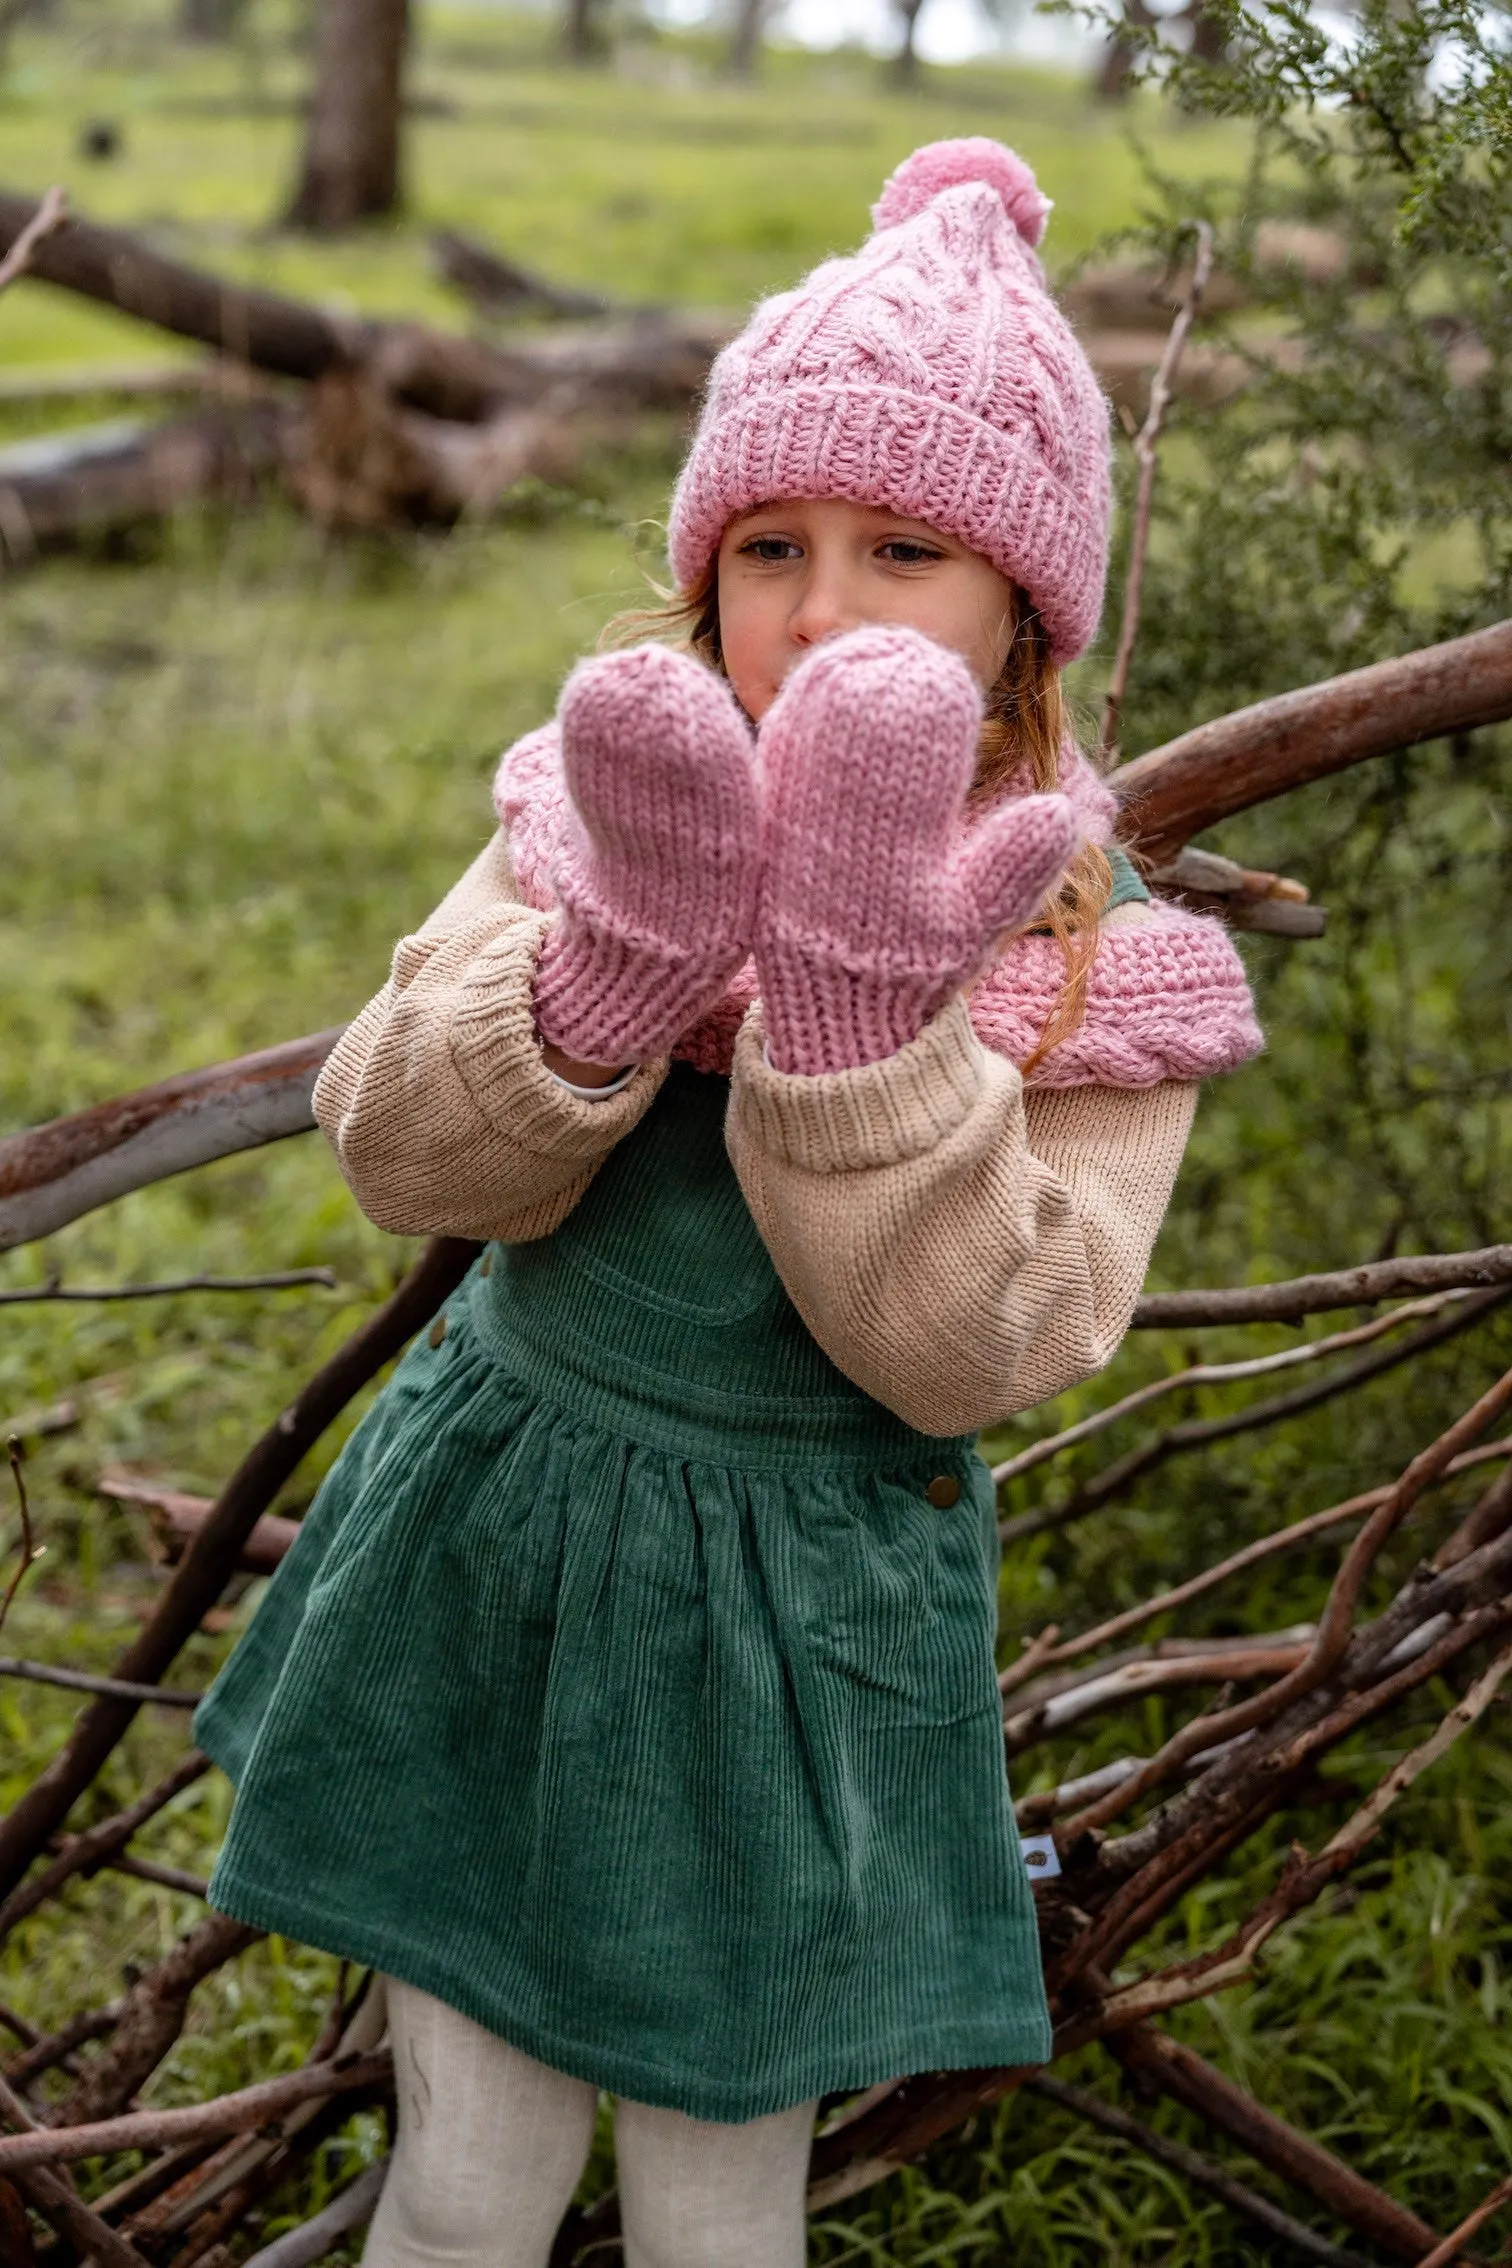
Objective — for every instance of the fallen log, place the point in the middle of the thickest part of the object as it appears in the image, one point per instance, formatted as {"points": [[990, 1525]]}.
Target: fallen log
{"points": [[654, 363], [111, 476]]}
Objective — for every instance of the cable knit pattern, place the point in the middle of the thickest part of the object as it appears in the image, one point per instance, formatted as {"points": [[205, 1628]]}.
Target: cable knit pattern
{"points": [[932, 372], [1168, 997], [874, 906], [655, 866]]}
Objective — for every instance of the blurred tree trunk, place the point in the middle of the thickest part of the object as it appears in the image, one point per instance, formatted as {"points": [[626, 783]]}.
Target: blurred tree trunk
{"points": [[1117, 65], [585, 29], [745, 45], [906, 61], [210, 20], [350, 170]]}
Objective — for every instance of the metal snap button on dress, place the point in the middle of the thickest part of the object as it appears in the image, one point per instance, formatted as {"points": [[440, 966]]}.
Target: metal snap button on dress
{"points": [[943, 1491]]}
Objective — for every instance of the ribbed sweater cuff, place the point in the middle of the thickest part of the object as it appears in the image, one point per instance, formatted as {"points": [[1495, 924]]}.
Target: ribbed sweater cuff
{"points": [[497, 1052], [876, 1114]]}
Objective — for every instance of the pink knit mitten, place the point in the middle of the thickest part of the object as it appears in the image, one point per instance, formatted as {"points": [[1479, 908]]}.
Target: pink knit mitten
{"points": [[876, 904], [657, 876]]}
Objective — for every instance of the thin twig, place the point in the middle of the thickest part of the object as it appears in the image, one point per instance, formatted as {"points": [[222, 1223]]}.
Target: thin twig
{"points": [[30, 1551], [1443, 2253], [52, 211], [101, 1841], [1265, 1547], [283, 1280], [1215, 1374], [1145, 450], [115, 1688], [227, 2114], [1115, 1479]]}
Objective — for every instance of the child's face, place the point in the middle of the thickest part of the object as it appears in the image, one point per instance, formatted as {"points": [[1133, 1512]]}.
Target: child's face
{"points": [[791, 574]]}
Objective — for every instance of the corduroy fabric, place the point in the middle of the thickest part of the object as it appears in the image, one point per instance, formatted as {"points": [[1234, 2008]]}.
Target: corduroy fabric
{"points": [[624, 1689]]}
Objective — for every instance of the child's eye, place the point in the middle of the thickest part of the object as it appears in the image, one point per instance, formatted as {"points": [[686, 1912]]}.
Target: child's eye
{"points": [[772, 548], [902, 551]]}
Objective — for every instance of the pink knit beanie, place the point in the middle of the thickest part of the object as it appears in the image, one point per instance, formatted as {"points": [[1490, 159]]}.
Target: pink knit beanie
{"points": [[932, 372]]}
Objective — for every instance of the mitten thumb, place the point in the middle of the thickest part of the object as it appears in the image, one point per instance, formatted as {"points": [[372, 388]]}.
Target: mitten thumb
{"points": [[1014, 859]]}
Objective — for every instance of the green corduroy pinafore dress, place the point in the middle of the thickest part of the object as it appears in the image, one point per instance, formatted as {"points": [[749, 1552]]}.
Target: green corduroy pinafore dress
{"points": [[625, 1688]]}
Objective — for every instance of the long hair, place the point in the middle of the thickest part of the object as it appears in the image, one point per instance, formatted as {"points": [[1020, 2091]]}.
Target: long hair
{"points": [[1024, 729]]}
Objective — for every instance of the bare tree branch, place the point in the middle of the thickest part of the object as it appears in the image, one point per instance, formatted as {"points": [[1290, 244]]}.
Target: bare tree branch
{"points": [[1175, 791], [227, 2114], [284, 1279], [1145, 445], [52, 210]]}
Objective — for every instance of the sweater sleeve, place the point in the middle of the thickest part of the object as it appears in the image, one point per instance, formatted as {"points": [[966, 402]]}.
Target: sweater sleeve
{"points": [[960, 1247], [436, 1099]]}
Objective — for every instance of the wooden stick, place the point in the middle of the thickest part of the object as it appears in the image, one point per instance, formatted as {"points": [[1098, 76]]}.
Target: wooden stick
{"points": [[207, 1565], [161, 2129], [283, 1279], [54, 2198], [1145, 449], [52, 210], [1116, 1479], [1200, 2086], [28, 1551], [101, 1841], [314, 2238], [1443, 2253], [1213, 1374], [1177, 790], [1265, 1547], [1193, 2167], [83, 1681], [52, 1174], [1314, 1295]]}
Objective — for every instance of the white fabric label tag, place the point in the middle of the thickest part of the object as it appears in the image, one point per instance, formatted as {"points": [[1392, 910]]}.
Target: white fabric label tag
{"points": [[1040, 1857]]}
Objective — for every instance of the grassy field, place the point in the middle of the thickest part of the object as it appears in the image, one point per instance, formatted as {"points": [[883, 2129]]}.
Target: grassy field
{"points": [[237, 763]]}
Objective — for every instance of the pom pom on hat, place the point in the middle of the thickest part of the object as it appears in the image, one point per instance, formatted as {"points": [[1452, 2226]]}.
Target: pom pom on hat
{"points": [[949, 165]]}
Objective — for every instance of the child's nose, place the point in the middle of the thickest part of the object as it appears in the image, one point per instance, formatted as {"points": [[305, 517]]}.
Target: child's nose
{"points": [[824, 610]]}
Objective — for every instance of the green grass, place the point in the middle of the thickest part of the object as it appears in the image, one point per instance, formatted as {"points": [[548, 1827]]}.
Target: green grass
{"points": [[238, 761]]}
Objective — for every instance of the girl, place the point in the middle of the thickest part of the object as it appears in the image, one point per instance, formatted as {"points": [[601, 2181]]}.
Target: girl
{"points": [[628, 1700]]}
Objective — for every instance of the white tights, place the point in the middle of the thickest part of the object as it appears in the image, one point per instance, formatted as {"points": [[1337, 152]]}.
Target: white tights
{"points": [[491, 2145]]}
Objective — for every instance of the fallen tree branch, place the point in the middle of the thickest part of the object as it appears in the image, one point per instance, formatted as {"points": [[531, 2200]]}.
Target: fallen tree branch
{"points": [[284, 1279], [1175, 791], [1188, 2078], [53, 2197], [158, 2129], [211, 1559], [449, 377], [151, 2018], [52, 1174], [1193, 2167], [177, 1518], [1314, 1295], [313, 2239]]}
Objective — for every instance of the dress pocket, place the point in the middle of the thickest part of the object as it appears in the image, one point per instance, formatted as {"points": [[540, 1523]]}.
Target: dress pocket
{"points": [[901, 1611]]}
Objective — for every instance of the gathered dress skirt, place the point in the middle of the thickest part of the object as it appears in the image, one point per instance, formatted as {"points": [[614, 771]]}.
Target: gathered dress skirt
{"points": [[630, 1684]]}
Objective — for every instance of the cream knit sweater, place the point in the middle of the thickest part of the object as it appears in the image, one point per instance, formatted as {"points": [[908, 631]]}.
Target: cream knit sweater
{"points": [[960, 1246]]}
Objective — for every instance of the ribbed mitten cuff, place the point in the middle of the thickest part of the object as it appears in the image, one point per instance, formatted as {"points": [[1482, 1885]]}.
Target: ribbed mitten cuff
{"points": [[602, 998], [823, 1014]]}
